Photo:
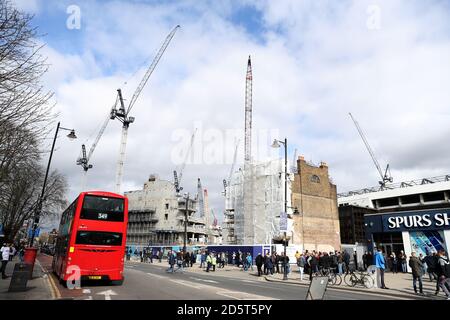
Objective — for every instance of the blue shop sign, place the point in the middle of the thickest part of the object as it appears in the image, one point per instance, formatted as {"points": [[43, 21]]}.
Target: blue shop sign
{"points": [[417, 220]]}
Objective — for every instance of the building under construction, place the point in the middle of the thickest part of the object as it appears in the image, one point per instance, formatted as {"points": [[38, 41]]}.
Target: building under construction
{"points": [[254, 200], [157, 217]]}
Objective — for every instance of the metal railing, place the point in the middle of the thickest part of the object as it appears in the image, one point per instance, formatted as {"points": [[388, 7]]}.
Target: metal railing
{"points": [[392, 186]]}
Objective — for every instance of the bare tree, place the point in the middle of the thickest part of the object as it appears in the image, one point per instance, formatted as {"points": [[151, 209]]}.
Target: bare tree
{"points": [[25, 118], [24, 105]]}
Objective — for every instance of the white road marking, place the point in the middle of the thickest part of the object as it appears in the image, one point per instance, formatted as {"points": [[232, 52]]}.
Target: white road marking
{"points": [[189, 284], [237, 295], [89, 298], [205, 280], [86, 290], [108, 294], [156, 276]]}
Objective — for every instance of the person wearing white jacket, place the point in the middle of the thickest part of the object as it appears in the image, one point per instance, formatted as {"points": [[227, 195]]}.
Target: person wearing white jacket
{"points": [[5, 258]]}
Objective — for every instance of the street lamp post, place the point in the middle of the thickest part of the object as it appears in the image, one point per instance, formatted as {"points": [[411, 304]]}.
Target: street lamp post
{"points": [[37, 214], [185, 223], [276, 144]]}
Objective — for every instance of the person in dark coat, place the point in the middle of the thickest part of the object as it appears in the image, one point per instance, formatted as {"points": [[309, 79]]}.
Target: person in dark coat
{"points": [[259, 262], [416, 268], [193, 258], [346, 258], [269, 264]]}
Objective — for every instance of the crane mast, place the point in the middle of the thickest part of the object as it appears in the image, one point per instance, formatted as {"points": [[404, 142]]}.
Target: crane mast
{"points": [[201, 208], [384, 177], [123, 114], [248, 112]]}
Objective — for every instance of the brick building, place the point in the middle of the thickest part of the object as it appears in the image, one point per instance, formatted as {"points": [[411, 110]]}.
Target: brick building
{"points": [[316, 226]]}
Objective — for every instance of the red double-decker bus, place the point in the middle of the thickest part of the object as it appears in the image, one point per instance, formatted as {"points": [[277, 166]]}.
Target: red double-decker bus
{"points": [[91, 238]]}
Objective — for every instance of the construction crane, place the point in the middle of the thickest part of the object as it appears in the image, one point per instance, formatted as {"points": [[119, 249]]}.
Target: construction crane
{"points": [[294, 162], [123, 115], [226, 183], [201, 208], [248, 112], [84, 159], [206, 210], [385, 178], [176, 183], [179, 174]]}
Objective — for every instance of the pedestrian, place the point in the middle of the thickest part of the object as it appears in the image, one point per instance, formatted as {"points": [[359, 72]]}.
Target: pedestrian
{"points": [[394, 262], [172, 259], [402, 259], [313, 262], [340, 263], [208, 262], [187, 259], [416, 268], [21, 254], [160, 256], [249, 261], [268, 264], [203, 260], [355, 260], [259, 263], [424, 264], [444, 273], [431, 261], [193, 258], [223, 259], [233, 258], [277, 262], [5, 258], [364, 258], [12, 252], [346, 259], [380, 263], [301, 265], [180, 261], [214, 261], [150, 252], [141, 255]]}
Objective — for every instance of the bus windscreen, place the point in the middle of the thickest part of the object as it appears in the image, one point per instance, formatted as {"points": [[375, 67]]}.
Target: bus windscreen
{"points": [[102, 208], [99, 238]]}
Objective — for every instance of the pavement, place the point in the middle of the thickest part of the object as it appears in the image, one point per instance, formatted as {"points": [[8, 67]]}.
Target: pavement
{"points": [[38, 288]]}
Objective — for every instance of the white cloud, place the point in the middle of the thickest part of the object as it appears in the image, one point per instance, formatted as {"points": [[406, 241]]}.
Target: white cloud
{"points": [[318, 61]]}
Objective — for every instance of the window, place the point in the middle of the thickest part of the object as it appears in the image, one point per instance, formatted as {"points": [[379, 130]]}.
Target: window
{"points": [[102, 208], [433, 196], [315, 179], [99, 238], [167, 206], [166, 216]]}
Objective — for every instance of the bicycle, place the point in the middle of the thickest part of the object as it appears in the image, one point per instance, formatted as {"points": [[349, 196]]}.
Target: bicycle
{"points": [[333, 277], [353, 278]]}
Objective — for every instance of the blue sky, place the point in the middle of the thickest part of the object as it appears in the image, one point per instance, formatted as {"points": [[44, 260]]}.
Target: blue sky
{"points": [[314, 61]]}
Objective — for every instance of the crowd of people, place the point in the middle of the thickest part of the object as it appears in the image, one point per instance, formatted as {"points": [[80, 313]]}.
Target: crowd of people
{"points": [[310, 263]]}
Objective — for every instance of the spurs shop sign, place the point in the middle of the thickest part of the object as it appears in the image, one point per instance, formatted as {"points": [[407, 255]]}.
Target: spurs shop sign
{"points": [[423, 220]]}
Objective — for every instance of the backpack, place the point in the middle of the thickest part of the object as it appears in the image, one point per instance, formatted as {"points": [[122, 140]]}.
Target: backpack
{"points": [[445, 270]]}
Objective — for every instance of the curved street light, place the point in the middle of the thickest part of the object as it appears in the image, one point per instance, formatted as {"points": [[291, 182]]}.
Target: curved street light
{"points": [[37, 214]]}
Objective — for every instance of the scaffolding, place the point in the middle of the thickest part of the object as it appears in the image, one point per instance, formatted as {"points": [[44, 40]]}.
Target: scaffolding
{"points": [[254, 198]]}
